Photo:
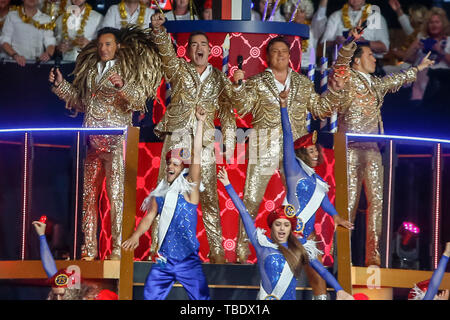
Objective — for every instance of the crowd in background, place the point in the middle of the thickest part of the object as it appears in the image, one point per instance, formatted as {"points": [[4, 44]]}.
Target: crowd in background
{"points": [[38, 30]]}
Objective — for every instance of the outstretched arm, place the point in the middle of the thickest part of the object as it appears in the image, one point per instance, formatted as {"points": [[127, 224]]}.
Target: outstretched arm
{"points": [[196, 159], [64, 90], [291, 166], [160, 37], [133, 242], [328, 207], [330, 279], [239, 204], [46, 256], [438, 274]]}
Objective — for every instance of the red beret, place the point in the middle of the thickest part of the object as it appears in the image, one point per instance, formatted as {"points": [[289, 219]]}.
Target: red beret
{"points": [[62, 279], [208, 4], [306, 141], [284, 212], [181, 154]]}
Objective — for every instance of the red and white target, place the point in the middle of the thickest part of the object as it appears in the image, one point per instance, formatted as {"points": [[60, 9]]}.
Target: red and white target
{"points": [[229, 244]]}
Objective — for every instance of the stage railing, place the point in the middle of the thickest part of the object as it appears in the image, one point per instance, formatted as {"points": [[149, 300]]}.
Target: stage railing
{"points": [[121, 270], [393, 148]]}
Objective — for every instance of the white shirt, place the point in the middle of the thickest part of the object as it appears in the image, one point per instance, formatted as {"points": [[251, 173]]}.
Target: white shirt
{"points": [[406, 24], [282, 86], [25, 39], [366, 76], [187, 16], [206, 73], [102, 68], [3, 54], [90, 30], [317, 28], [113, 19], [335, 27]]}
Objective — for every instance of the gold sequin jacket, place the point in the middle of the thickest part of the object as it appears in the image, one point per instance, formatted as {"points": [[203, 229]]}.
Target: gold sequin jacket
{"points": [[360, 109], [188, 92], [259, 96], [104, 105]]}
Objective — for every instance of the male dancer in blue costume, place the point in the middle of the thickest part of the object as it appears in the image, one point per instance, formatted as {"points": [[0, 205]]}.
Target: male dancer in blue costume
{"points": [[280, 257], [306, 190], [176, 199]]}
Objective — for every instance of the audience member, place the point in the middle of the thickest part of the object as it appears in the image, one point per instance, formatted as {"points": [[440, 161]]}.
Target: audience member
{"points": [[207, 10], [74, 31], [305, 15], [53, 8], [433, 37], [181, 11], [376, 35], [267, 7], [128, 12], [26, 32], [411, 25], [4, 9]]}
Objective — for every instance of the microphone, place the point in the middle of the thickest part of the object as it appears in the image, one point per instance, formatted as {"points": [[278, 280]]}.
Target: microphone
{"points": [[352, 38], [58, 58], [57, 65], [240, 60]]}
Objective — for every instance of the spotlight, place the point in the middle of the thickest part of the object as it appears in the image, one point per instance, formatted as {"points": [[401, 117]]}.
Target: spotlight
{"points": [[406, 241], [408, 230]]}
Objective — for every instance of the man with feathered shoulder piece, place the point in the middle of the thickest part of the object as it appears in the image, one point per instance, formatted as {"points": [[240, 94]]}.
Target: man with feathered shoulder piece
{"points": [[114, 76], [195, 83], [362, 96], [259, 95]]}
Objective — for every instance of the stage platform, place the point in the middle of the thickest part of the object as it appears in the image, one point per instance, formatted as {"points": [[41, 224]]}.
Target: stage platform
{"points": [[226, 281]]}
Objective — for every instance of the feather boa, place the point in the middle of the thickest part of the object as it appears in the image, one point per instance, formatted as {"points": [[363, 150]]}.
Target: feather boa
{"points": [[181, 185]]}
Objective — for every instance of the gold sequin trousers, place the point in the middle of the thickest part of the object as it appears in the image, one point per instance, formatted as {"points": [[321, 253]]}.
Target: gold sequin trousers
{"points": [[104, 160], [365, 167]]}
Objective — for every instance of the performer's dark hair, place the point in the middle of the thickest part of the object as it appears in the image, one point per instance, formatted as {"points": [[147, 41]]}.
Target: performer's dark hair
{"points": [[358, 52], [275, 40], [106, 30], [197, 33], [303, 154]]}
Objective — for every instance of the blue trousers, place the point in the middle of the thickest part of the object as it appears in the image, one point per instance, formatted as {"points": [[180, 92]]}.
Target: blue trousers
{"points": [[188, 272]]}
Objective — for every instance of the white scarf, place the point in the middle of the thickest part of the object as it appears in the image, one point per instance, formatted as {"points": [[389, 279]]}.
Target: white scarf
{"points": [[170, 193]]}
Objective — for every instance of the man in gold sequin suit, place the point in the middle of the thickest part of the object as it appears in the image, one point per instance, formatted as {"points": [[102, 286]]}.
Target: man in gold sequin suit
{"points": [[195, 83], [259, 96], [362, 96], [107, 89]]}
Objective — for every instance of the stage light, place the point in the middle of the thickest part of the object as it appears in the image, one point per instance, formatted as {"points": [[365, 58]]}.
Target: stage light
{"points": [[406, 241], [408, 230]]}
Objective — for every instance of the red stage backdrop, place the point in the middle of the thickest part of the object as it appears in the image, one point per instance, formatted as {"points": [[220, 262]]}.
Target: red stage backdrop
{"points": [[252, 48]]}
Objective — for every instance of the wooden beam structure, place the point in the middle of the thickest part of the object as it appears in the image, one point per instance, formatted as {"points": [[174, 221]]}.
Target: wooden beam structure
{"points": [[129, 212], [32, 269], [394, 278], [344, 256]]}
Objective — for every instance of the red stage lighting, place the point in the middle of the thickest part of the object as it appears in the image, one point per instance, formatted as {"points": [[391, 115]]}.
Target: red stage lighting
{"points": [[407, 231]]}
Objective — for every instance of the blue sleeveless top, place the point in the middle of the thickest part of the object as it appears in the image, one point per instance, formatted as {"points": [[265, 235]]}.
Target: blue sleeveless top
{"points": [[180, 240]]}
